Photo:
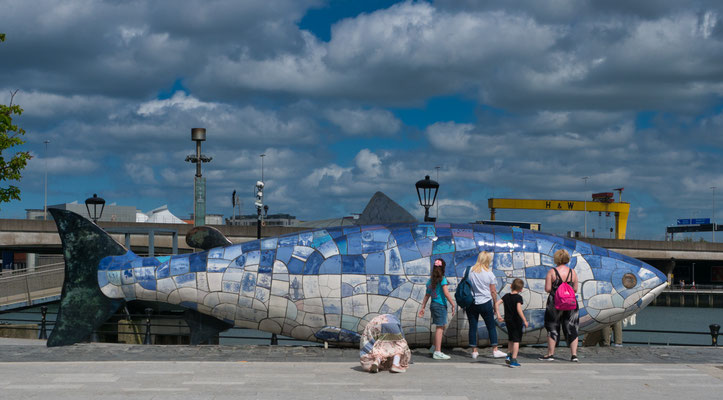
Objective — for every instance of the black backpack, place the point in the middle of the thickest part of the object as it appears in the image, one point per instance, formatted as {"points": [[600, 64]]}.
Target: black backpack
{"points": [[463, 295]]}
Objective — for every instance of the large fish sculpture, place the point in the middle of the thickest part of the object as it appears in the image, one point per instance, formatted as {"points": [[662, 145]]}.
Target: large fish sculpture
{"points": [[325, 285]]}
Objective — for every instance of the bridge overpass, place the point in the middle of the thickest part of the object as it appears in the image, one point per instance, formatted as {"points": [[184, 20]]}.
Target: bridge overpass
{"points": [[38, 236], [41, 284]]}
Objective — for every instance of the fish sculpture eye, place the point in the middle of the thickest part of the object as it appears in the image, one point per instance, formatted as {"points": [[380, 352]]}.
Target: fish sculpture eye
{"points": [[629, 281]]}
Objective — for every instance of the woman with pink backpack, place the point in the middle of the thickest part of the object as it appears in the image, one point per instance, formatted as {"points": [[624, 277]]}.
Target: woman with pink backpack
{"points": [[562, 309]]}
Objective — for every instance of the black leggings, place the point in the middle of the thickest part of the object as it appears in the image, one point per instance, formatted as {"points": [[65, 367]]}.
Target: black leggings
{"points": [[555, 319]]}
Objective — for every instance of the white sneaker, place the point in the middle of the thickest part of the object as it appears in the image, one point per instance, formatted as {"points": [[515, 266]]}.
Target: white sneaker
{"points": [[475, 354], [498, 354], [397, 368], [438, 355]]}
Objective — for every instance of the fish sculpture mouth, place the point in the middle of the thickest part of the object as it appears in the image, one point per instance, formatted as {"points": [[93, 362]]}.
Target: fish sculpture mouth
{"points": [[651, 295]]}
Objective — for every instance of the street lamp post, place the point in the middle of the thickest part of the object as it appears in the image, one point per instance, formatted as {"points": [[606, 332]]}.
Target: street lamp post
{"points": [[260, 199], [95, 201], [45, 202], [427, 195], [437, 207], [260, 218], [585, 178]]}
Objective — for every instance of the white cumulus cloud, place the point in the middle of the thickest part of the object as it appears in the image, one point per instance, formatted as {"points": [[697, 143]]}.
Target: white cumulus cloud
{"points": [[450, 136], [369, 163], [372, 122], [179, 100]]}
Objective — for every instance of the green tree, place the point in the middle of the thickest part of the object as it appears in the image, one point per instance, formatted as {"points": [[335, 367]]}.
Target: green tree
{"points": [[10, 136]]}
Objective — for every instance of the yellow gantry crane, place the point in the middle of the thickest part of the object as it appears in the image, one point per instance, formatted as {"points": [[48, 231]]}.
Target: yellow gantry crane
{"points": [[606, 205]]}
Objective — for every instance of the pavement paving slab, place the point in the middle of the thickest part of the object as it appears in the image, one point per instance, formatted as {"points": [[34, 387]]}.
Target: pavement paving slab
{"points": [[29, 370], [24, 350]]}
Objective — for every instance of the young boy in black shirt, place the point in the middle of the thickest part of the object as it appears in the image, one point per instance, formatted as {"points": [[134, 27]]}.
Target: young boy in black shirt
{"points": [[514, 318]]}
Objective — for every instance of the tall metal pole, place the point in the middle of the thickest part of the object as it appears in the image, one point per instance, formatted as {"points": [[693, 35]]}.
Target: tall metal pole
{"points": [[199, 192], [198, 135], [198, 157], [260, 199], [437, 167], [45, 202], [713, 222], [585, 178], [259, 207]]}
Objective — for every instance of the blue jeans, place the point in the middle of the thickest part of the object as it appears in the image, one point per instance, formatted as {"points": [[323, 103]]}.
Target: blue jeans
{"points": [[487, 312]]}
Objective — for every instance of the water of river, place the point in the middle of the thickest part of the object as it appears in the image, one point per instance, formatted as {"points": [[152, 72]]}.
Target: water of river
{"points": [[689, 319], [651, 318]]}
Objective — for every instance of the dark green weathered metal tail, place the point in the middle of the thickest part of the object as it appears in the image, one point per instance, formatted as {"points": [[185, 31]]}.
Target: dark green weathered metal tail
{"points": [[83, 307]]}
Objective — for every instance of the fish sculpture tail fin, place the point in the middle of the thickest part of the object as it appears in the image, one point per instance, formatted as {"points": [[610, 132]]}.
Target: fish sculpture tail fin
{"points": [[83, 307]]}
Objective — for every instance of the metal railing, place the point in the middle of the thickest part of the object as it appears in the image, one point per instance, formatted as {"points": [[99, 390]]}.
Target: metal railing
{"points": [[6, 273], [697, 288], [148, 325], [141, 324], [713, 333], [24, 288]]}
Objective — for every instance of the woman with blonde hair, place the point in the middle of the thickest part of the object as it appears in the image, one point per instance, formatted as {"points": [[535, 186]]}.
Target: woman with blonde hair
{"points": [[484, 291]]}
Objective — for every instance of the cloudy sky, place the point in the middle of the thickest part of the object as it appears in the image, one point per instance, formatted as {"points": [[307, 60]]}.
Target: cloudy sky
{"points": [[510, 98]]}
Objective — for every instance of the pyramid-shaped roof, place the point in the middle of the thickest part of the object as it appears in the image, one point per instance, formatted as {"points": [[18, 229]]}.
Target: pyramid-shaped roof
{"points": [[383, 210]]}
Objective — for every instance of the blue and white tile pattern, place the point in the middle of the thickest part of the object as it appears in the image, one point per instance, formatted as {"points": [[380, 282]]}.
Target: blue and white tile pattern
{"points": [[327, 284]]}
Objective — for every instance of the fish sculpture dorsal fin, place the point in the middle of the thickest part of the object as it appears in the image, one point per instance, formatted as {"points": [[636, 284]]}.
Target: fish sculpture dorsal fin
{"points": [[206, 238]]}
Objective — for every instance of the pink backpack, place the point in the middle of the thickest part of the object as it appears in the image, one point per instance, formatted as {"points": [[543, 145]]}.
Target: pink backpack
{"points": [[565, 298]]}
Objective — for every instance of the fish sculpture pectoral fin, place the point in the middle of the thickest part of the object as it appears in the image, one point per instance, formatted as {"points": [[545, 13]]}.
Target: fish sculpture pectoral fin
{"points": [[333, 334], [83, 307], [206, 238], [203, 327]]}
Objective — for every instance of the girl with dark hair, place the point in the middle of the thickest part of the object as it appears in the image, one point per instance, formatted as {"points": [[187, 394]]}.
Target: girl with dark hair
{"points": [[437, 291]]}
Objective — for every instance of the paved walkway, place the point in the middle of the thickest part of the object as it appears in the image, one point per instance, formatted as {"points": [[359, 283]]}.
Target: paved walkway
{"points": [[29, 370]]}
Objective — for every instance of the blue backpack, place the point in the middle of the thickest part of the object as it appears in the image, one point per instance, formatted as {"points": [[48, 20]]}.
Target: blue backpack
{"points": [[463, 295]]}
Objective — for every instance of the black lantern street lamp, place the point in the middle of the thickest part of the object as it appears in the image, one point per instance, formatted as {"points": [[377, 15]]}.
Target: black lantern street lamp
{"points": [[427, 195], [95, 201]]}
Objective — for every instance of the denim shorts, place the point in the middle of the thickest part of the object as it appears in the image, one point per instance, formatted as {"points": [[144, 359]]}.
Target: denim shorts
{"points": [[439, 314]]}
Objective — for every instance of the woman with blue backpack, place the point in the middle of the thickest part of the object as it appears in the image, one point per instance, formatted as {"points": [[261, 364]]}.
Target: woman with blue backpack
{"points": [[561, 311], [484, 290]]}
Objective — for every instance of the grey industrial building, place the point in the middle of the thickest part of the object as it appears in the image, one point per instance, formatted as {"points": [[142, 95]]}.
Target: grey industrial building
{"points": [[111, 212]]}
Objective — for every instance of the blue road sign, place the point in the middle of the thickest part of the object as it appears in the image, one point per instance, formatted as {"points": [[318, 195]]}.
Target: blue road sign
{"points": [[700, 221], [684, 221]]}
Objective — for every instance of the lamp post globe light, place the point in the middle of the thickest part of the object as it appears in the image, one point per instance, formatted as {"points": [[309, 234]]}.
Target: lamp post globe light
{"points": [[95, 201], [427, 194]]}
